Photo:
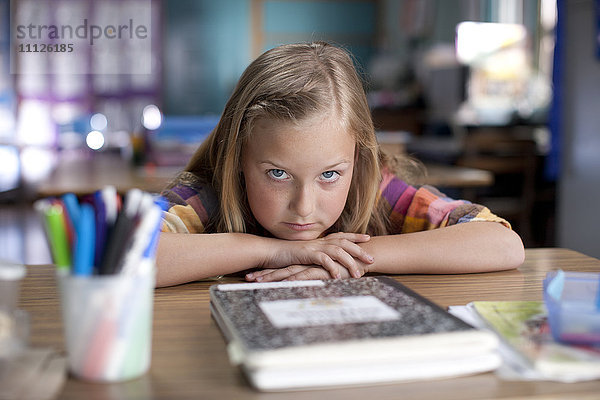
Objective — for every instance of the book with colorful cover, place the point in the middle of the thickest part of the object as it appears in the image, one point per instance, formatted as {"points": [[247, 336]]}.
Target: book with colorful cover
{"points": [[523, 326], [305, 334]]}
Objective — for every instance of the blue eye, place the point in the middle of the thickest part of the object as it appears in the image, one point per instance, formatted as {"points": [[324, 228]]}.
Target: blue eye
{"points": [[330, 176], [277, 174]]}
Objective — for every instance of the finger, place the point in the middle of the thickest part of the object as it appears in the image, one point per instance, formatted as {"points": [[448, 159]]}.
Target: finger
{"points": [[309, 274], [251, 276], [347, 242], [346, 260], [356, 251], [326, 261], [279, 274]]}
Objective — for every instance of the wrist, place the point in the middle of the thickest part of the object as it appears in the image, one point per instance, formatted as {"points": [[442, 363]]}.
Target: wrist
{"points": [[370, 248], [268, 250]]}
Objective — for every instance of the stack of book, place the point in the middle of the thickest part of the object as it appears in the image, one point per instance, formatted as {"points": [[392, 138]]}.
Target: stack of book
{"points": [[310, 334], [527, 347]]}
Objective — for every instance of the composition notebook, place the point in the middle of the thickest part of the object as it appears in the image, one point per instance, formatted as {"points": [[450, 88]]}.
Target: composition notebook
{"points": [[309, 334]]}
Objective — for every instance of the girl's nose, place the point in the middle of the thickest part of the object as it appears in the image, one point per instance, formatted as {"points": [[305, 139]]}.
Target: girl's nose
{"points": [[303, 201]]}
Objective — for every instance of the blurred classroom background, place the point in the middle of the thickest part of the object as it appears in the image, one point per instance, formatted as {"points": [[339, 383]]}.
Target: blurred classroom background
{"points": [[502, 90]]}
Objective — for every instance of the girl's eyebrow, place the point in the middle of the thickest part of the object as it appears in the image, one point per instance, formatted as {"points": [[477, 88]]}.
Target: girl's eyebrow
{"points": [[332, 166], [274, 164], [338, 164]]}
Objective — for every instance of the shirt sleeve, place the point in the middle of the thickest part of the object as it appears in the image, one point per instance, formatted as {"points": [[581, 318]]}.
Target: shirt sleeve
{"points": [[190, 206], [415, 209]]}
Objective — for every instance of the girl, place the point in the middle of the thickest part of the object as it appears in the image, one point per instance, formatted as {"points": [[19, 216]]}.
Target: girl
{"points": [[291, 184]]}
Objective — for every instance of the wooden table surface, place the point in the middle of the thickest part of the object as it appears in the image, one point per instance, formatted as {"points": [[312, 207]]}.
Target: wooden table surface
{"points": [[85, 175], [189, 358]]}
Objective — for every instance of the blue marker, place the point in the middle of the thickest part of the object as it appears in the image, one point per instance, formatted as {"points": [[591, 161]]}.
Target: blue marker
{"points": [[83, 260], [72, 206], [150, 250], [161, 202]]}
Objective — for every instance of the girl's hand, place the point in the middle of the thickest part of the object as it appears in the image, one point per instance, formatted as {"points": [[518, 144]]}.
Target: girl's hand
{"points": [[292, 273], [337, 253]]}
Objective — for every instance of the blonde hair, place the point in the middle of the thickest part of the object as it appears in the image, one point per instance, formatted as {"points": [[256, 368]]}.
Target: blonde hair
{"points": [[290, 83]]}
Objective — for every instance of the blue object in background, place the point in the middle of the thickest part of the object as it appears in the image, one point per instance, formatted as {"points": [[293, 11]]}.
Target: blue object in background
{"points": [[572, 300], [178, 138], [552, 167], [185, 129], [598, 29]]}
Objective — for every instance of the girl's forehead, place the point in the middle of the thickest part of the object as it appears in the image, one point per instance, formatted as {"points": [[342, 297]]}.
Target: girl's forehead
{"points": [[322, 121], [320, 137]]}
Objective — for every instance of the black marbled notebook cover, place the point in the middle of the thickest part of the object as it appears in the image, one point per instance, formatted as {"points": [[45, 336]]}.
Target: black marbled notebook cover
{"points": [[240, 310]]}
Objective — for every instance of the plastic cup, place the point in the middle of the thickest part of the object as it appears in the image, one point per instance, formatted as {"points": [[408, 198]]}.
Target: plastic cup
{"points": [[108, 324]]}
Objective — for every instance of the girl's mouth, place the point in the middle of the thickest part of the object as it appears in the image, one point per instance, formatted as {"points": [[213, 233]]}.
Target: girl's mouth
{"points": [[299, 227]]}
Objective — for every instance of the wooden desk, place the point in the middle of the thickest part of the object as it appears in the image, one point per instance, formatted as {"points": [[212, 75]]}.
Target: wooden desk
{"points": [[189, 359], [443, 176], [85, 175]]}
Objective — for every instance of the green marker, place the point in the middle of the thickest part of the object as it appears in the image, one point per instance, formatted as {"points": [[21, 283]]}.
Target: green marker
{"points": [[58, 237]]}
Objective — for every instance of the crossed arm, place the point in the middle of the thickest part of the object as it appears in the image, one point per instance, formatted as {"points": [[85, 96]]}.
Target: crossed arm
{"points": [[462, 248]]}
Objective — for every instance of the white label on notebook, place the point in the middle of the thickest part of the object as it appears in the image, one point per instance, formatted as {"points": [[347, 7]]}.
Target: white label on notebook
{"points": [[267, 285], [327, 311]]}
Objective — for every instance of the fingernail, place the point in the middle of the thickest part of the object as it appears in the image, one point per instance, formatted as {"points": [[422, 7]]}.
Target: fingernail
{"points": [[250, 276], [259, 278], [356, 274], [370, 258], [338, 276]]}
